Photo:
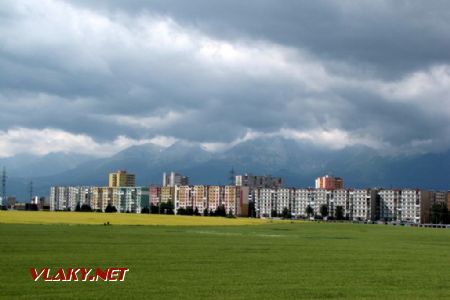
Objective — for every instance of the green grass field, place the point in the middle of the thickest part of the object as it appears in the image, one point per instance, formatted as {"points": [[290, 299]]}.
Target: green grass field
{"points": [[268, 261]]}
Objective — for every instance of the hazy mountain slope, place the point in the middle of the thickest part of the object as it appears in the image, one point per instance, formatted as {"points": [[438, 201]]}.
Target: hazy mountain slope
{"points": [[298, 163]]}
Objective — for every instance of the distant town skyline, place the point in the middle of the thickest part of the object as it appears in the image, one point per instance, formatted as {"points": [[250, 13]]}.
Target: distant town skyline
{"points": [[96, 77]]}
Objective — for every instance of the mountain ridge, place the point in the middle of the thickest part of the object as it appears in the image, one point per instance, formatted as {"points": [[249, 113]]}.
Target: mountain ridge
{"points": [[298, 162]]}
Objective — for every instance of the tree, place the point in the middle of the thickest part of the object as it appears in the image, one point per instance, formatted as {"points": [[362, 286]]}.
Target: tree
{"points": [[181, 211], [286, 214], [145, 210], [230, 214], [170, 207], [273, 213], [324, 210], [251, 209], [196, 213], [211, 213], [220, 211], [78, 207], [189, 211], [205, 212], [309, 211], [339, 213], [166, 208], [154, 209], [110, 209], [29, 206], [86, 208], [439, 213]]}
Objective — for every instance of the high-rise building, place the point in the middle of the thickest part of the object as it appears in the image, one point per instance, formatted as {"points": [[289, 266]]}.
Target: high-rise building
{"points": [[254, 182], [329, 183], [415, 206], [339, 197], [320, 197], [155, 195], [363, 204], [173, 179], [439, 197], [301, 200], [124, 199], [235, 200], [389, 204], [67, 198], [215, 197], [167, 194], [122, 179], [283, 197], [183, 197], [199, 197], [264, 200], [448, 199]]}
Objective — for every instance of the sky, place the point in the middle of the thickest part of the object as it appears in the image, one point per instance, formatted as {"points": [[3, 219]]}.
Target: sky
{"points": [[95, 77]]}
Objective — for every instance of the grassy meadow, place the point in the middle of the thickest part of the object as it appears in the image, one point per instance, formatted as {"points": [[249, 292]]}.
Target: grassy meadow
{"points": [[46, 217], [281, 260]]}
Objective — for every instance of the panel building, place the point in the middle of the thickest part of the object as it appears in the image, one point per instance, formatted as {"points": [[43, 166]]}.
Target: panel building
{"points": [[253, 182], [328, 182], [122, 179], [264, 200], [415, 206], [363, 204], [389, 204], [172, 179], [300, 201]]}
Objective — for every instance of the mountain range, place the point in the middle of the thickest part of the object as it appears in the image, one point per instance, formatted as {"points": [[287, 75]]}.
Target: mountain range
{"points": [[297, 162]]}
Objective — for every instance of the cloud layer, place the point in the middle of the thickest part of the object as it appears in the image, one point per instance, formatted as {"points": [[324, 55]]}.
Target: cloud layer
{"points": [[78, 76]]}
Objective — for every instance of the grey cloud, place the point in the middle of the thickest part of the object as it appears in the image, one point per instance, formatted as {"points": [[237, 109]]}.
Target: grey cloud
{"points": [[91, 78], [388, 37]]}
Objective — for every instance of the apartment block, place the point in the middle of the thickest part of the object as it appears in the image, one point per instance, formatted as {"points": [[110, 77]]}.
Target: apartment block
{"points": [[301, 200], [389, 205], [183, 197], [415, 206], [242, 201], [99, 198], [406, 205], [122, 179], [216, 196], [167, 194], [448, 199], [439, 197], [319, 198], [155, 195], [199, 197], [67, 198], [339, 197], [253, 181], [282, 199], [329, 182], [363, 204], [58, 198], [264, 198], [172, 179], [235, 200], [130, 199]]}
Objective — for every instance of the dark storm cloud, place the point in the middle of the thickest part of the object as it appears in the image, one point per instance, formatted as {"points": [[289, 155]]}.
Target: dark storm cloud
{"points": [[124, 72], [390, 37]]}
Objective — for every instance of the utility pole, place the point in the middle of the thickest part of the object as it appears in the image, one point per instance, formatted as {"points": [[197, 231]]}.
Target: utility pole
{"points": [[4, 185], [31, 191]]}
